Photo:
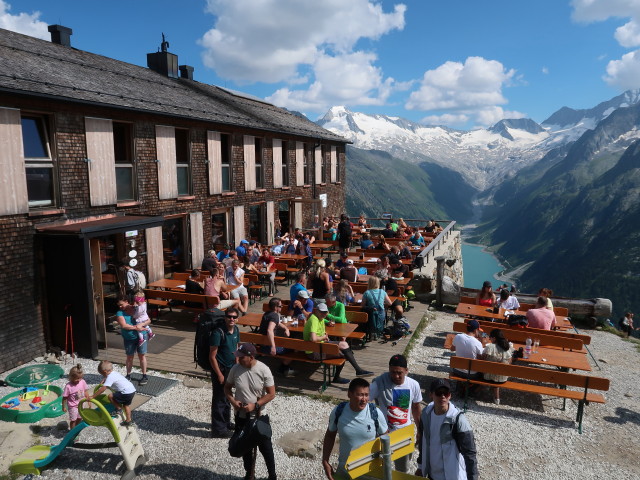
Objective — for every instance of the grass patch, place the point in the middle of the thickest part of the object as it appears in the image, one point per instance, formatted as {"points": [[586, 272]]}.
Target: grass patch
{"points": [[417, 333]]}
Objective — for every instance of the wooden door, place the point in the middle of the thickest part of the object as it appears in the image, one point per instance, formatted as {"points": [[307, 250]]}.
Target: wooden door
{"points": [[98, 292]]}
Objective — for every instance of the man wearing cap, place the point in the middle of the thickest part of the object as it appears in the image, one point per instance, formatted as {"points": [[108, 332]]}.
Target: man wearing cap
{"points": [[446, 442], [399, 397], [314, 331], [254, 388], [467, 345], [224, 253], [209, 263], [302, 308], [222, 346], [241, 249], [357, 422], [349, 272]]}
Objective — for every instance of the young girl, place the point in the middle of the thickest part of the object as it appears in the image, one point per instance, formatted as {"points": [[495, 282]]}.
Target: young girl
{"points": [[73, 391], [140, 315]]}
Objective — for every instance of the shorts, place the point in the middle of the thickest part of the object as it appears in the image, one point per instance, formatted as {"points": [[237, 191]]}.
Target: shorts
{"points": [[241, 291], [224, 304], [131, 346], [73, 413], [123, 398], [266, 349]]}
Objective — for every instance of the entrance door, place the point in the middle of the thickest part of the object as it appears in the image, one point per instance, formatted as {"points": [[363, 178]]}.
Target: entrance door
{"points": [[98, 293], [284, 216], [174, 243], [258, 230]]}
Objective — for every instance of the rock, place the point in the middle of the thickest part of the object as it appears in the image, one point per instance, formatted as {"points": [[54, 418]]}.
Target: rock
{"points": [[628, 395], [62, 425], [302, 444], [450, 291], [38, 359]]}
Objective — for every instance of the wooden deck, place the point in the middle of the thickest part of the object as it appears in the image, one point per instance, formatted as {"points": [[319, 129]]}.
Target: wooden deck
{"points": [[179, 357]]}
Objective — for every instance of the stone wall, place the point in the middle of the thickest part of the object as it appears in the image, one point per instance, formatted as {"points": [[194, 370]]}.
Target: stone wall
{"points": [[450, 248]]}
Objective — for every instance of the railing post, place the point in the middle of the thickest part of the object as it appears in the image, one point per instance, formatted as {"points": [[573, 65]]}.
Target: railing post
{"points": [[439, 277]]}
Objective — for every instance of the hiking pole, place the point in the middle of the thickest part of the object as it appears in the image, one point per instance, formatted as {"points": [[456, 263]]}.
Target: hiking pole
{"points": [[589, 351]]}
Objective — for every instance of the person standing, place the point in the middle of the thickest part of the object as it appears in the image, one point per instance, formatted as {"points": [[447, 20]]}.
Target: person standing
{"points": [[129, 331], [222, 347], [357, 422], [399, 396], [447, 445], [344, 233], [254, 388]]}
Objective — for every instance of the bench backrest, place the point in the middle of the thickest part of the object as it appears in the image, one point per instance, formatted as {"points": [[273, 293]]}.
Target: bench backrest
{"points": [[487, 326], [291, 343], [356, 316], [358, 287], [353, 308], [207, 301], [561, 311], [180, 276], [471, 300], [521, 335], [531, 373]]}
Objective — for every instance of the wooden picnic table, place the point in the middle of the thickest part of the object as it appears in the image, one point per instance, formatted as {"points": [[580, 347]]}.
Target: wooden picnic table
{"points": [[252, 320], [486, 312], [168, 283], [365, 278], [564, 359]]}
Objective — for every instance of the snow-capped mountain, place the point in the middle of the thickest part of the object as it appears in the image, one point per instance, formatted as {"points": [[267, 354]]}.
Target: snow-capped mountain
{"points": [[485, 157]]}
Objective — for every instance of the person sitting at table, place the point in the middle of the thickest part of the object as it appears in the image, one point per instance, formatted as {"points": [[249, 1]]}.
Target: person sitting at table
{"points": [[540, 316], [332, 231], [417, 239], [337, 312], [304, 248], [430, 227], [349, 271], [362, 221], [342, 261], [547, 293], [290, 246], [319, 281], [467, 345], [270, 325], [366, 241], [508, 301], [263, 264], [388, 231], [402, 223], [253, 253], [344, 292], [314, 331], [302, 307], [233, 255], [193, 284], [301, 284], [498, 350], [382, 244], [224, 253], [485, 296], [401, 233], [235, 277], [214, 285], [277, 248], [210, 261], [404, 252], [241, 249]]}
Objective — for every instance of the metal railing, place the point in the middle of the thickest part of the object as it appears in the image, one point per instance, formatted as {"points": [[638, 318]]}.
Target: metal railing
{"points": [[442, 237]]}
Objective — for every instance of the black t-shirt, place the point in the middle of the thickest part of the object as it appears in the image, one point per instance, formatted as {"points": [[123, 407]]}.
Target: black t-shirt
{"points": [[387, 233], [267, 318], [193, 287], [344, 229]]}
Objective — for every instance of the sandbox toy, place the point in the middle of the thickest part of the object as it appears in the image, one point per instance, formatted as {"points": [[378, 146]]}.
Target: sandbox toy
{"points": [[35, 375], [31, 404]]}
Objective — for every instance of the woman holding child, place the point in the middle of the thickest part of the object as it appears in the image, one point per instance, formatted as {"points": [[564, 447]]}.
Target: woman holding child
{"points": [[130, 331]]}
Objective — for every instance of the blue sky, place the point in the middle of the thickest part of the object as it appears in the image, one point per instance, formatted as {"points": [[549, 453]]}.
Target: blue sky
{"points": [[461, 63]]}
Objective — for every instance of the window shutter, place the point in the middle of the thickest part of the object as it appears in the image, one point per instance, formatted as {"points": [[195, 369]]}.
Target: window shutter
{"points": [[317, 159], [238, 223], [334, 164], [299, 164], [13, 181], [101, 161], [197, 239], [297, 215], [214, 155], [166, 156], [277, 163], [249, 163], [155, 254], [270, 222]]}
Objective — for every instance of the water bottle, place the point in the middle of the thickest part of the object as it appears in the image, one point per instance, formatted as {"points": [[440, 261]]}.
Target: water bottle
{"points": [[527, 348]]}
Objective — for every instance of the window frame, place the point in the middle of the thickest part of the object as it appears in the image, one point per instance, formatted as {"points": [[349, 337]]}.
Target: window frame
{"points": [[45, 121], [131, 164]]}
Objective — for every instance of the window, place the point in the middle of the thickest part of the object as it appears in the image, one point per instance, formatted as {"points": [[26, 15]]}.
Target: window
{"points": [[123, 150], [285, 164], [183, 155], [38, 161], [225, 146], [307, 165], [259, 164], [219, 229]]}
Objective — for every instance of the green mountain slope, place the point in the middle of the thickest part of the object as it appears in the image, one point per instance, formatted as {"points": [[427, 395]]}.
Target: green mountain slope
{"points": [[378, 182]]}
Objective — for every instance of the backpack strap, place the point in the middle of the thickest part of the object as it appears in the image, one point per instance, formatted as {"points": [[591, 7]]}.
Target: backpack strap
{"points": [[339, 410], [373, 411]]}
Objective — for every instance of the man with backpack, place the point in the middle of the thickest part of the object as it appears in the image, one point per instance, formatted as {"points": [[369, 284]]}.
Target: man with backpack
{"points": [[357, 422], [447, 447]]}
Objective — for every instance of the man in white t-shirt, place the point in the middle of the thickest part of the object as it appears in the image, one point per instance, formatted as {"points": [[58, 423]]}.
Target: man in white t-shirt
{"points": [[399, 397], [467, 345]]}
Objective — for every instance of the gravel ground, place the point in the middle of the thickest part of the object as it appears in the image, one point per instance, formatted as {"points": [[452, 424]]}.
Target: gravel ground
{"points": [[526, 437]]}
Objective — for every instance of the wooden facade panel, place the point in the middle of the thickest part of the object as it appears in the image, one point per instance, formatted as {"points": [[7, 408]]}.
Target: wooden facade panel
{"points": [[14, 198], [277, 162], [155, 255], [214, 155], [297, 214], [238, 223], [166, 156], [317, 162], [249, 163], [299, 164], [334, 164], [101, 161], [270, 221], [197, 239]]}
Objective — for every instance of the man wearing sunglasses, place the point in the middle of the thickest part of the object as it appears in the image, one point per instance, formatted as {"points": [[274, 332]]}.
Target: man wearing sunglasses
{"points": [[447, 446], [223, 344]]}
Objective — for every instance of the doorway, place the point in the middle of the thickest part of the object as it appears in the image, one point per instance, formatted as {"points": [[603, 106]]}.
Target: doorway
{"points": [[257, 223], [219, 229], [284, 216], [174, 244]]}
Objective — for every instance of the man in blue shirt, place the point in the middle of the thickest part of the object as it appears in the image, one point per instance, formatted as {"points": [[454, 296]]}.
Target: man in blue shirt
{"points": [[241, 249], [301, 284], [224, 253]]}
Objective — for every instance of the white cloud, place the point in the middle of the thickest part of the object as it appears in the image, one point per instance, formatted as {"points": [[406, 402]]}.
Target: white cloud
{"points": [[545, 70], [25, 23], [472, 89], [598, 10], [628, 35], [624, 73], [449, 119]]}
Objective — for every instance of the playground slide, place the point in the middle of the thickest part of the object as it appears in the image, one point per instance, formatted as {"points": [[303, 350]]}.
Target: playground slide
{"points": [[39, 456]]}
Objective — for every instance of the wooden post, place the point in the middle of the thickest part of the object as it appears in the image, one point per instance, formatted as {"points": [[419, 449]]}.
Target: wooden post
{"points": [[439, 277]]}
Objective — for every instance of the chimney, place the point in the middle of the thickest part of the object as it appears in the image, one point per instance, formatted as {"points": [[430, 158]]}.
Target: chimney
{"points": [[60, 35], [163, 62], [186, 71]]}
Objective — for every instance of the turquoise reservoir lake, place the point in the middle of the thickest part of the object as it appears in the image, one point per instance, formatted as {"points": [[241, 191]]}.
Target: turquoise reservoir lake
{"points": [[479, 266]]}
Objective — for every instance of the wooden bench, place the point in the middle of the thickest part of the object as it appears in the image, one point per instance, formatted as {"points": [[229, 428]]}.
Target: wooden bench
{"points": [[163, 298], [488, 326], [298, 353], [550, 377]]}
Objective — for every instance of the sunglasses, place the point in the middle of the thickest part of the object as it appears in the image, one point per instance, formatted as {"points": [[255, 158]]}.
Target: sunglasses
{"points": [[441, 393], [232, 316]]}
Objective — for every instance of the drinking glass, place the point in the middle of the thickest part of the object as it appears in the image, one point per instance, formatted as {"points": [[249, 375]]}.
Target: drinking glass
{"points": [[536, 344]]}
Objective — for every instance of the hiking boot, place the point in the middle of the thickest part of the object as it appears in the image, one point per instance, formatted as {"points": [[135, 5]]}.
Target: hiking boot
{"points": [[127, 423], [116, 413], [144, 380], [128, 376]]}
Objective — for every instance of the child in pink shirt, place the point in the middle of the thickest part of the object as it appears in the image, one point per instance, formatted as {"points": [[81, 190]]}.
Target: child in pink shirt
{"points": [[140, 315], [73, 392]]}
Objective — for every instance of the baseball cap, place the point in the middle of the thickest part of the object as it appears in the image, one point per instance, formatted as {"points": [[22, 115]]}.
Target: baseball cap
{"points": [[486, 284], [398, 361], [349, 261], [322, 307], [246, 350], [303, 294], [473, 325], [244, 241], [439, 383]]}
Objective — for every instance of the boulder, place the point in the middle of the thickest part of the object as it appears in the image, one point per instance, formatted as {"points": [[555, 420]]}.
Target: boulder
{"points": [[450, 291], [303, 444]]}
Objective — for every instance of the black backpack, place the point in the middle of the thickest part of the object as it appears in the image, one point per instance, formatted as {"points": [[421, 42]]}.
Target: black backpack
{"points": [[209, 321]]}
